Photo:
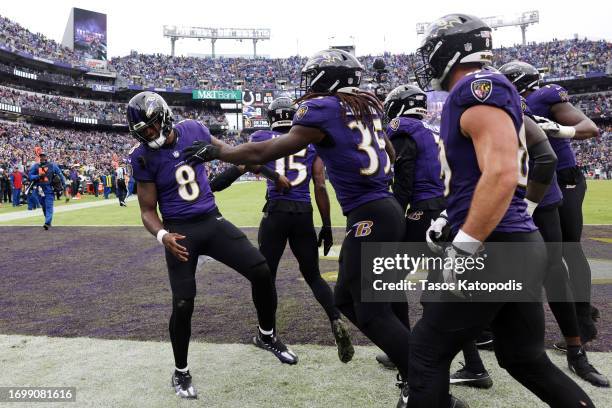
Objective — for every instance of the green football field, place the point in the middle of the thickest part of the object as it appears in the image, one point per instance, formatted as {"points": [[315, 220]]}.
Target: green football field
{"points": [[242, 204], [116, 372]]}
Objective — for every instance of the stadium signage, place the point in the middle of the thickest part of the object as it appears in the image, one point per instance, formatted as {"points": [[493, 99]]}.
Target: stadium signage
{"points": [[89, 121], [225, 95], [24, 74], [10, 108]]}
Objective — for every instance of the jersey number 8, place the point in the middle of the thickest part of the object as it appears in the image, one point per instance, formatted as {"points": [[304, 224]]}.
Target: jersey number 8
{"points": [[188, 186]]}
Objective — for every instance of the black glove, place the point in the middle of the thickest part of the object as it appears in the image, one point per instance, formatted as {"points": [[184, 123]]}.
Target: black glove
{"points": [[326, 237], [200, 152]]}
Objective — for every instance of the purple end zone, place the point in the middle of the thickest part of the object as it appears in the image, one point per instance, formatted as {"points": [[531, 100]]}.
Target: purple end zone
{"points": [[112, 283]]}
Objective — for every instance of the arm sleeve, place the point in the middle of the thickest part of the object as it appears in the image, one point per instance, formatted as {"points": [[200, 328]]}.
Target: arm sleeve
{"points": [[403, 168], [225, 179], [544, 162]]}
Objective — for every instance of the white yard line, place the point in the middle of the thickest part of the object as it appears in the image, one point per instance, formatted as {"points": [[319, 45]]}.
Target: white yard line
{"points": [[18, 215]]}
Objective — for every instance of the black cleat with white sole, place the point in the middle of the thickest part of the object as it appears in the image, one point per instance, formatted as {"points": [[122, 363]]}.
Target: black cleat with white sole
{"points": [[276, 347], [454, 402], [471, 379], [579, 364], [181, 382]]}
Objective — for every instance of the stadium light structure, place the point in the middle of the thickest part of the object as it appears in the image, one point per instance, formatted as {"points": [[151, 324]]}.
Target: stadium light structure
{"points": [[521, 20], [214, 34]]}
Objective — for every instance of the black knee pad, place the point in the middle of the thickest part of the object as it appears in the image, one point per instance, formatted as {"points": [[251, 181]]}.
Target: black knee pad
{"points": [[182, 307]]}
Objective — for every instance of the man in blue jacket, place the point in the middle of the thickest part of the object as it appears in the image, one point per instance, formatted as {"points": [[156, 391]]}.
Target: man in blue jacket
{"points": [[49, 177]]}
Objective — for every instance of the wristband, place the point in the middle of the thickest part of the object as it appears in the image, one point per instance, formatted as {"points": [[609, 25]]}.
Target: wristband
{"points": [[566, 132], [160, 235], [466, 243]]}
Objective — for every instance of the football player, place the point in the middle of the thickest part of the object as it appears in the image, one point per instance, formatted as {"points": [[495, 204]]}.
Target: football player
{"points": [[192, 226], [417, 185], [546, 217], [552, 102], [344, 125], [288, 215], [483, 135]]}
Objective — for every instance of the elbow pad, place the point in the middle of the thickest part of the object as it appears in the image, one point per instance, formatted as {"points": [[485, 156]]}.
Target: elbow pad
{"points": [[544, 162], [225, 179]]}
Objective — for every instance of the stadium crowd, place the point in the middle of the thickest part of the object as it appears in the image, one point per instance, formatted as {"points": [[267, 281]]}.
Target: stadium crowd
{"points": [[595, 105], [19, 38], [67, 108]]}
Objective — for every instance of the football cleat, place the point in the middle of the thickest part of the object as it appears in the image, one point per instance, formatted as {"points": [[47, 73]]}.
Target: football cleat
{"points": [[181, 382], [346, 351], [385, 361], [276, 347], [404, 393], [454, 402], [468, 378], [595, 314], [579, 364]]}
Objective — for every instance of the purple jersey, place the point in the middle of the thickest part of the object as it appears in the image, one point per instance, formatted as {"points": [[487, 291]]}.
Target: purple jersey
{"points": [[427, 181], [297, 168], [182, 190], [458, 157], [540, 102], [354, 154], [553, 194]]}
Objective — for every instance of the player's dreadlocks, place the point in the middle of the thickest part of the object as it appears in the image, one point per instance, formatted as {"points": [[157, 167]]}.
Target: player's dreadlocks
{"points": [[362, 103]]}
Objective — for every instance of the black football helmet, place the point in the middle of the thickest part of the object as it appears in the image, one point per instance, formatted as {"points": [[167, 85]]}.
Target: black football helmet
{"points": [[144, 110], [453, 39], [281, 111], [524, 76], [406, 100], [329, 70]]}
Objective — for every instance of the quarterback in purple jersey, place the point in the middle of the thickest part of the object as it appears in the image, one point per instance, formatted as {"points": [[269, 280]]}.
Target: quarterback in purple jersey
{"points": [[483, 139], [552, 102], [188, 210], [344, 125], [288, 215]]}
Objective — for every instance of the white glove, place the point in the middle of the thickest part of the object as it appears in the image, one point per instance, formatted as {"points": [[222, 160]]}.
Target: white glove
{"points": [[531, 206], [463, 246], [553, 129], [437, 233]]}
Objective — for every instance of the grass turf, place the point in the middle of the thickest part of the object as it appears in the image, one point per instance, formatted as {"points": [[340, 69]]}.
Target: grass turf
{"points": [[242, 204], [121, 373], [8, 207]]}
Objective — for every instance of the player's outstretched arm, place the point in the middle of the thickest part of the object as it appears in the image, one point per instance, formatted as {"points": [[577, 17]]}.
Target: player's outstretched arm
{"points": [[147, 199], [225, 179], [496, 144], [262, 152], [322, 199], [566, 114], [544, 163]]}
